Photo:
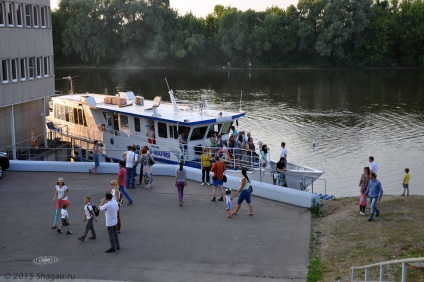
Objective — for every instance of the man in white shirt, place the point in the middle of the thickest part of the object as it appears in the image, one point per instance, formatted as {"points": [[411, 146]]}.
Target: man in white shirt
{"points": [[283, 153], [110, 207], [373, 165], [129, 165]]}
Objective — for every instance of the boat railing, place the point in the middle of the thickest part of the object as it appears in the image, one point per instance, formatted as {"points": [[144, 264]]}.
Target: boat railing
{"points": [[79, 132], [242, 159]]}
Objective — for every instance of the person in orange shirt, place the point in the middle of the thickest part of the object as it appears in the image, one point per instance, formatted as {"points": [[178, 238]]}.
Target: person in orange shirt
{"points": [[218, 169]]}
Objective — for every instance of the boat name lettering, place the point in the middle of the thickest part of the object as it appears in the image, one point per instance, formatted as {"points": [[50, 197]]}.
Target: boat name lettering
{"points": [[162, 154]]}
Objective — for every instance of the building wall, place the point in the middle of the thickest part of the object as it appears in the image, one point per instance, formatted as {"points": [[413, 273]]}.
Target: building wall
{"points": [[26, 47]]}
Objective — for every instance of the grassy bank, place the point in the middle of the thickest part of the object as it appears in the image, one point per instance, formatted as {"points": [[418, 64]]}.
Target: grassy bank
{"points": [[342, 238]]}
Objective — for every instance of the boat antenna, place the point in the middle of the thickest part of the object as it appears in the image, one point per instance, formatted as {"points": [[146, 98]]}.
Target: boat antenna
{"points": [[70, 81], [171, 94]]}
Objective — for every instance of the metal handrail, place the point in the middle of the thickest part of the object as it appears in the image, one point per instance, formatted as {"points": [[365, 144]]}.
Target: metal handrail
{"points": [[382, 264]]}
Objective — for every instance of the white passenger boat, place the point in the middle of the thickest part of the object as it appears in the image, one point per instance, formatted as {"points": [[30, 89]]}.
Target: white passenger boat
{"points": [[124, 119]]}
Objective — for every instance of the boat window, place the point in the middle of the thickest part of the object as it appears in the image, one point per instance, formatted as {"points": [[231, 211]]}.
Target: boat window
{"points": [[183, 129], [137, 124], [226, 127], [213, 128], [173, 131], [67, 113], [81, 118], [124, 121], [198, 133], [75, 114], [109, 119], [162, 130]]}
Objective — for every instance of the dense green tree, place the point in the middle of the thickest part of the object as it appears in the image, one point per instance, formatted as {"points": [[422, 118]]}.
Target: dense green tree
{"points": [[316, 32], [342, 28]]}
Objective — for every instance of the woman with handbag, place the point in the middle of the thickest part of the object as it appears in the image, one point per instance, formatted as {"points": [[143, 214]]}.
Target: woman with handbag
{"points": [[245, 191]]}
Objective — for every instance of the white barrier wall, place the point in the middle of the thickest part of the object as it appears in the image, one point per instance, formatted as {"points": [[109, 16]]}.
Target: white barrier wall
{"points": [[264, 190]]}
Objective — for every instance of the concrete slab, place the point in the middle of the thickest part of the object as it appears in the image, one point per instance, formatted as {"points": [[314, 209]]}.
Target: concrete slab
{"points": [[160, 241]]}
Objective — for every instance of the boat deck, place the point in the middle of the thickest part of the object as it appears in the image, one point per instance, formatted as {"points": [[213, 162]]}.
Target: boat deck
{"points": [[160, 241]]}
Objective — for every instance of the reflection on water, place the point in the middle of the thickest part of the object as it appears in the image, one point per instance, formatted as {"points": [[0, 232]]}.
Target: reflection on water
{"points": [[350, 114]]}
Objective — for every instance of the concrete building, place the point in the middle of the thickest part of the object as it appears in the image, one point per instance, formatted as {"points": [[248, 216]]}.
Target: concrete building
{"points": [[26, 71]]}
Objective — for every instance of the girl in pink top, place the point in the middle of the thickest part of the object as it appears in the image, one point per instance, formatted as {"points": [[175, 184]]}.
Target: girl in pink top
{"points": [[362, 203]]}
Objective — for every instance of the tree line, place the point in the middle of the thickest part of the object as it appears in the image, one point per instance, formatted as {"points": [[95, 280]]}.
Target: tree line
{"points": [[316, 33]]}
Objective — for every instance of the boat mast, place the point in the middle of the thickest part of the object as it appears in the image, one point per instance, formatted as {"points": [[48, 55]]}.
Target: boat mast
{"points": [[171, 94]]}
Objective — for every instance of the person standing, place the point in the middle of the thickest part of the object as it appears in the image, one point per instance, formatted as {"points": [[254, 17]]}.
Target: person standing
{"points": [[117, 196], [151, 135], [181, 181], [182, 140], [145, 161], [405, 182], [110, 207], [373, 165], [218, 169], [374, 192], [122, 172], [205, 164], [245, 190], [89, 216], [129, 165], [61, 195], [284, 152], [365, 178], [96, 156]]}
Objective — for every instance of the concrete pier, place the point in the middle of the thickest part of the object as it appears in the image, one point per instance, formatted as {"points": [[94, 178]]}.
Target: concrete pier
{"points": [[160, 241]]}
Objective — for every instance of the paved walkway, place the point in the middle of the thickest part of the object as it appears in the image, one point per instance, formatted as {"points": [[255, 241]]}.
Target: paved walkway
{"points": [[160, 241]]}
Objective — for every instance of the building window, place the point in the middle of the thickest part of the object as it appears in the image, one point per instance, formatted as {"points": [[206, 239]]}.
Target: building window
{"points": [[43, 17], [5, 71], [39, 67], [14, 70], [28, 16], [35, 8], [31, 68], [19, 17], [46, 67], [11, 15], [2, 19], [23, 69]]}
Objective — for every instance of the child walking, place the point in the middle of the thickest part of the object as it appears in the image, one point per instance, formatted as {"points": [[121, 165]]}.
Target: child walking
{"points": [[228, 203], [65, 220], [405, 183], [89, 216], [362, 202]]}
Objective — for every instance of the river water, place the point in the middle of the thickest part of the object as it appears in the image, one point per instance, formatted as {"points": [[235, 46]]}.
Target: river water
{"points": [[350, 114]]}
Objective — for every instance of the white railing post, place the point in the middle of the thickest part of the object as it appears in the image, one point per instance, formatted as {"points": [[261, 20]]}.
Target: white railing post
{"points": [[381, 272], [404, 270], [366, 275], [353, 274]]}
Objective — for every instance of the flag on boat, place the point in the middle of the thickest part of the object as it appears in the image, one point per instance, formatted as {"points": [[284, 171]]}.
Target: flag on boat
{"points": [[313, 145]]}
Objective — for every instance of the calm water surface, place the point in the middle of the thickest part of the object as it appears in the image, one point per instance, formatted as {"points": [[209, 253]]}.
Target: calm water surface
{"points": [[350, 114]]}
